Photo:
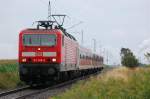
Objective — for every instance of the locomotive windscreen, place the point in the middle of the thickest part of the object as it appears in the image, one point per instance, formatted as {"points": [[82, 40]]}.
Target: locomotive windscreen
{"points": [[39, 39]]}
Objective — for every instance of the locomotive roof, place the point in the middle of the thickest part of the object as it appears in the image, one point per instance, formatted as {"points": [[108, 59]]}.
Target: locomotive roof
{"points": [[48, 30]]}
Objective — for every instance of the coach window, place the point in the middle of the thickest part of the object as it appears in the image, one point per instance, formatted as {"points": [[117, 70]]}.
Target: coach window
{"points": [[83, 56], [86, 57], [80, 56]]}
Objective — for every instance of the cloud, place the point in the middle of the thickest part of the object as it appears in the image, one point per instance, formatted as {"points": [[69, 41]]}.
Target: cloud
{"points": [[145, 45]]}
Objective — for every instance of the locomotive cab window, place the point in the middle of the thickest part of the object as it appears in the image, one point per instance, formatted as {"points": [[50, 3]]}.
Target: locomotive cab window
{"points": [[39, 39]]}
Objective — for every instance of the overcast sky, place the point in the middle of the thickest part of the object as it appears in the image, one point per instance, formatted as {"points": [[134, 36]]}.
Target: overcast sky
{"points": [[113, 23]]}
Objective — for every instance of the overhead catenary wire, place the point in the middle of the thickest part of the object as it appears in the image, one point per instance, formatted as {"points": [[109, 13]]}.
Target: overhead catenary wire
{"points": [[50, 14], [75, 25]]}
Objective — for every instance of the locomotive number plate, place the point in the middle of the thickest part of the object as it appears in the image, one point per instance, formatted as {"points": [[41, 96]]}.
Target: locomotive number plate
{"points": [[39, 54]]}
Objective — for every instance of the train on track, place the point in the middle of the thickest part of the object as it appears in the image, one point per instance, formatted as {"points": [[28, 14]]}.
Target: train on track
{"points": [[48, 53]]}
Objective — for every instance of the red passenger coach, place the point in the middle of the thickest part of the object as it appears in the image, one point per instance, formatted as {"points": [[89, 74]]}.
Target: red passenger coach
{"points": [[50, 54]]}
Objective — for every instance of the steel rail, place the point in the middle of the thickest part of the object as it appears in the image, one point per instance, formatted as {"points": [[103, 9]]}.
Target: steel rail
{"points": [[13, 91]]}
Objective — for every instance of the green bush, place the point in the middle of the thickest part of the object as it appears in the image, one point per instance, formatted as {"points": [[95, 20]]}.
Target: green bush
{"points": [[128, 59]]}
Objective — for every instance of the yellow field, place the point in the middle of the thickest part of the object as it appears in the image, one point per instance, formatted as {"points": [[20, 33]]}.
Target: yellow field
{"points": [[12, 61]]}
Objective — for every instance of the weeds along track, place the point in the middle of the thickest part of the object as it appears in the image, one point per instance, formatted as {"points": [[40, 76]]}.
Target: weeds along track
{"points": [[29, 93]]}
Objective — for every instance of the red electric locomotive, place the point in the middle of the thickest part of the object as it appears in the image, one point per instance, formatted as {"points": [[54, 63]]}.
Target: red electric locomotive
{"points": [[50, 54]]}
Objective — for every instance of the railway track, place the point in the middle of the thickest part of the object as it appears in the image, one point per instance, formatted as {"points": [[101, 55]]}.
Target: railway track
{"points": [[28, 93], [55, 86], [3, 94]]}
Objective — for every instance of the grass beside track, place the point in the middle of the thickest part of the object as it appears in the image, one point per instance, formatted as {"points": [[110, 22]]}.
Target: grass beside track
{"points": [[9, 77], [119, 83]]}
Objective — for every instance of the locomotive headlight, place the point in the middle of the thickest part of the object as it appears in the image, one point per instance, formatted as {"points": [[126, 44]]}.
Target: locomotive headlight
{"points": [[24, 60], [54, 60], [39, 49]]}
